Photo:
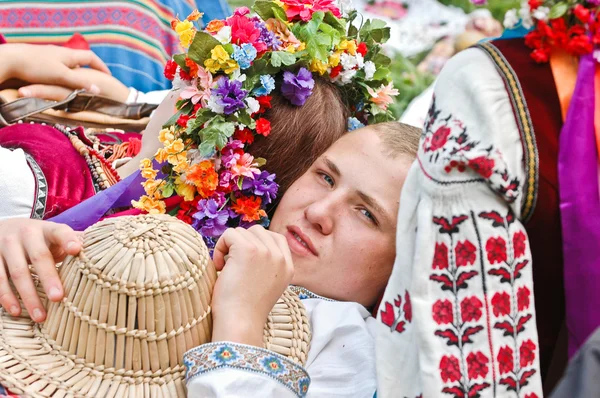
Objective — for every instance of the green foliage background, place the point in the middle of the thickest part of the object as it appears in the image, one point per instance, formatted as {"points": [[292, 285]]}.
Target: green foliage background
{"points": [[407, 79]]}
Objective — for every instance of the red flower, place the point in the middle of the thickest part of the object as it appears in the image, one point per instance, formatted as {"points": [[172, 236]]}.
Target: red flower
{"points": [[519, 244], [170, 69], [482, 165], [264, 102], [470, 309], [442, 312], [506, 362], [477, 365], [440, 257], [244, 135], [243, 31], [183, 120], [192, 66], [541, 55], [501, 304], [582, 13], [439, 138], [527, 353], [335, 71], [450, 369], [580, 45], [523, 298], [496, 250], [304, 9], [465, 253], [533, 39], [362, 49], [184, 75], [407, 307], [533, 4], [263, 126]]}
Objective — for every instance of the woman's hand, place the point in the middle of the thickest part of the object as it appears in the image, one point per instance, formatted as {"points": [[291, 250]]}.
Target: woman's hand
{"points": [[256, 268], [41, 244], [46, 64]]}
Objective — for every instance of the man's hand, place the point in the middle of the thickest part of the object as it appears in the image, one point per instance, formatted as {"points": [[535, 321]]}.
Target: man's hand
{"points": [[41, 244], [256, 268]]}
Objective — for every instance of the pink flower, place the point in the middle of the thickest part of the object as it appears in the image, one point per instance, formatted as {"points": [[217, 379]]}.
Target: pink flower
{"points": [[383, 96], [245, 166], [304, 9], [204, 81]]}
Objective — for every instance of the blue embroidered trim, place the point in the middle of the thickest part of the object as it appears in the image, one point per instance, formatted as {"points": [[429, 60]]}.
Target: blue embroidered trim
{"points": [[213, 356], [304, 293]]}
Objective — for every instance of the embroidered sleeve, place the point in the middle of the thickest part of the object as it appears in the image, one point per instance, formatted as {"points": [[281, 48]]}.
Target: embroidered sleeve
{"points": [[230, 369], [458, 317]]}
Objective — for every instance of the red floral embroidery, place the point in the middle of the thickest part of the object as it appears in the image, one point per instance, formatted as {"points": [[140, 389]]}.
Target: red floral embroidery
{"points": [[523, 298], [519, 245], [501, 304], [527, 353], [506, 362], [450, 369], [397, 316], [482, 165], [477, 365], [532, 395], [443, 312], [440, 257], [465, 253], [439, 138], [496, 250], [470, 309], [407, 307]]}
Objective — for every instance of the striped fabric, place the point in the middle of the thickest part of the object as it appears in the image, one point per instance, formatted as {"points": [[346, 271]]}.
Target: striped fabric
{"points": [[133, 37]]}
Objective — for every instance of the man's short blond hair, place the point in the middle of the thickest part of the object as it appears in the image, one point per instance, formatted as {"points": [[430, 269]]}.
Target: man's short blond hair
{"points": [[398, 139]]}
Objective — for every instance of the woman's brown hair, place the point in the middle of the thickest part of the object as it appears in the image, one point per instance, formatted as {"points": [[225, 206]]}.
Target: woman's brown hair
{"points": [[300, 134]]}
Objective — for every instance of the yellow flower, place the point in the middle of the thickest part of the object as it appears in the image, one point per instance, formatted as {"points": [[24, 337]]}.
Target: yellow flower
{"points": [[182, 26], [175, 147], [152, 186], [185, 39], [220, 60], [318, 66], [149, 205], [184, 190], [149, 172], [161, 155], [182, 167], [334, 59], [145, 163], [166, 135], [348, 45], [186, 31], [177, 158]]}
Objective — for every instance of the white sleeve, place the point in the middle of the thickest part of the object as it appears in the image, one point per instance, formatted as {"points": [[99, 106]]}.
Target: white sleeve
{"points": [[151, 97], [227, 369], [17, 184], [458, 318]]}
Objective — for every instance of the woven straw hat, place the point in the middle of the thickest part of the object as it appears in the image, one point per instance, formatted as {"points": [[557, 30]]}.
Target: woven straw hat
{"points": [[137, 297]]}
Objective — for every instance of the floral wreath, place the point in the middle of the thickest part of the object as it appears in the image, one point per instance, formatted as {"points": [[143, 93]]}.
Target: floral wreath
{"points": [[572, 25], [230, 69]]}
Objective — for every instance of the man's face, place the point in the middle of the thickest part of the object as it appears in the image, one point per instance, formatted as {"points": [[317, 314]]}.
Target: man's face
{"points": [[339, 219]]}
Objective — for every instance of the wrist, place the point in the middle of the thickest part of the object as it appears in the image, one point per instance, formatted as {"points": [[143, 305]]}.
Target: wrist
{"points": [[10, 60], [238, 329]]}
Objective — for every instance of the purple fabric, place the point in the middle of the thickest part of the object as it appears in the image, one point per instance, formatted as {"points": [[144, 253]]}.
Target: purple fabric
{"points": [[580, 210], [93, 209]]}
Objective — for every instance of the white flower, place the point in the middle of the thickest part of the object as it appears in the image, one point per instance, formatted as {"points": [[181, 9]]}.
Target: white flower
{"points": [[360, 60], [348, 61], [224, 35], [253, 105], [369, 70], [238, 75], [525, 14], [347, 76], [511, 19], [193, 156], [345, 6], [541, 13], [214, 106]]}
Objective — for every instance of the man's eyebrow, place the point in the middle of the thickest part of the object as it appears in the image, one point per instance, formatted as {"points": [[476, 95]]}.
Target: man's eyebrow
{"points": [[334, 169], [371, 202]]}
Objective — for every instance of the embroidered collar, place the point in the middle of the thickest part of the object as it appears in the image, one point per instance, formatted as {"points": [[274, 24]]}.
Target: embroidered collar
{"points": [[304, 293]]}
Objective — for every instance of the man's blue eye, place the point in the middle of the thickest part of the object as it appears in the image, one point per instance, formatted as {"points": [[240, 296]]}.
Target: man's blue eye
{"points": [[327, 179], [368, 214]]}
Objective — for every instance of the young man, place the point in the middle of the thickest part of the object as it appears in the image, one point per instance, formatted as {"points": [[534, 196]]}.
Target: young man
{"points": [[332, 236]]}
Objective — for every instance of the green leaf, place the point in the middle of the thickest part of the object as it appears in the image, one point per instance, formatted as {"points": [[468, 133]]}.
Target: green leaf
{"points": [[381, 74], [201, 47], [167, 190], [317, 43], [558, 10], [180, 60], [269, 9], [240, 182], [282, 57], [381, 60], [245, 119], [260, 162], [374, 30], [251, 82], [338, 24], [172, 120], [207, 148]]}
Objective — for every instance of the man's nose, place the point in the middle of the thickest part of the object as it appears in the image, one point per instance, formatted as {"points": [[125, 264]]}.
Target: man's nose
{"points": [[321, 214]]}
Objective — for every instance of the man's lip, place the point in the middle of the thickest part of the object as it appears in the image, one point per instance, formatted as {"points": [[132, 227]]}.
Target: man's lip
{"points": [[292, 229]]}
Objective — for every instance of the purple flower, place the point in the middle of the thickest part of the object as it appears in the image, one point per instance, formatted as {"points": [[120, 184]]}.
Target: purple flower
{"points": [[230, 95], [228, 155], [266, 36], [297, 88], [209, 220], [479, 2], [263, 185]]}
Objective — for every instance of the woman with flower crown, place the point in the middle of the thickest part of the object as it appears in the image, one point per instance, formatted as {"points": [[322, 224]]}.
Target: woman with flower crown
{"points": [[500, 221]]}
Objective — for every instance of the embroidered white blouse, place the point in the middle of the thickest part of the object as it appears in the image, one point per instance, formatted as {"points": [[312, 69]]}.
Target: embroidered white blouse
{"points": [[458, 317], [341, 360]]}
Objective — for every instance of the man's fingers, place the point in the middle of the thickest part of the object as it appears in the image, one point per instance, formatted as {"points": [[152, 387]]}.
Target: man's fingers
{"points": [[54, 93], [21, 278], [73, 80], [63, 236], [8, 300], [43, 262]]}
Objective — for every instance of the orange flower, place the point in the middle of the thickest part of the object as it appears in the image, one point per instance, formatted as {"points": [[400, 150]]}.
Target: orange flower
{"points": [[215, 25], [195, 15], [249, 208], [193, 67], [149, 205], [204, 177]]}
